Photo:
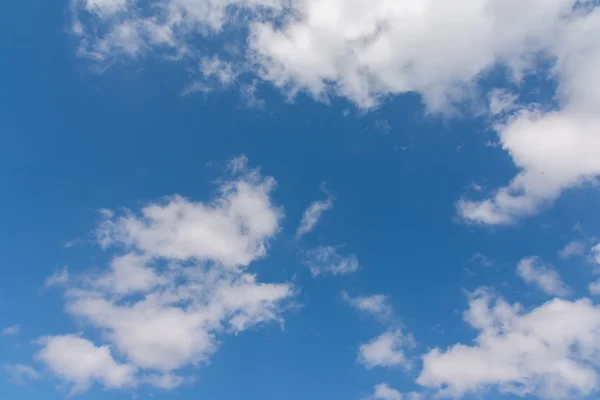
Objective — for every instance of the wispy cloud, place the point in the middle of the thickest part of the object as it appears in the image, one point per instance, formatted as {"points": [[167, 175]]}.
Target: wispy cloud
{"points": [[313, 213], [59, 278], [19, 373], [327, 260], [572, 249], [544, 277], [376, 305], [11, 330]]}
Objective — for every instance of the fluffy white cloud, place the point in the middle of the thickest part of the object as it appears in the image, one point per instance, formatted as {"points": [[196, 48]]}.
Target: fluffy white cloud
{"points": [[376, 305], [327, 260], [358, 49], [233, 230], [384, 392], [552, 351], [177, 283], [19, 373], [544, 277], [312, 215], [386, 350], [365, 50], [11, 330], [554, 149], [81, 362], [572, 249]]}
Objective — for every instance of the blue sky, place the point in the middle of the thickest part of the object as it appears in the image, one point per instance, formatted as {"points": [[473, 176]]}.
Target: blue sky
{"points": [[225, 199]]}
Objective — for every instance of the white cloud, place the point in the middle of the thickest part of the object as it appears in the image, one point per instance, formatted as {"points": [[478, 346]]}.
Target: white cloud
{"points": [[223, 71], [544, 277], [80, 362], [19, 373], [233, 230], [164, 381], [502, 101], [58, 278], [178, 282], [376, 305], [327, 260], [554, 149], [134, 27], [105, 7], [596, 254], [550, 352], [384, 392], [333, 46], [386, 350], [11, 330], [312, 215], [572, 249], [594, 288], [366, 50]]}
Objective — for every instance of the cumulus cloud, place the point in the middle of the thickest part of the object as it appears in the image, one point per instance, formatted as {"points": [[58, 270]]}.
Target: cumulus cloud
{"points": [[367, 50], [233, 230], [377, 305], [361, 49], [327, 260], [312, 215], [386, 350], [544, 277], [551, 351], [177, 282], [11, 330], [80, 362], [384, 392], [554, 149]]}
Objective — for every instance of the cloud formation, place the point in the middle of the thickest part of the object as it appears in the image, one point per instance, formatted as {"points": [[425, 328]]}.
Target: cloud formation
{"points": [[544, 277], [384, 392], [177, 282], [312, 215], [572, 249], [58, 278], [11, 330], [594, 287], [386, 350], [367, 50], [376, 305], [551, 351], [327, 260], [79, 361], [19, 373]]}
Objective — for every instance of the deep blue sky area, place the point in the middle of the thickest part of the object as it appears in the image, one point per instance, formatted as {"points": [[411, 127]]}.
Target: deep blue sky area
{"points": [[75, 140]]}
